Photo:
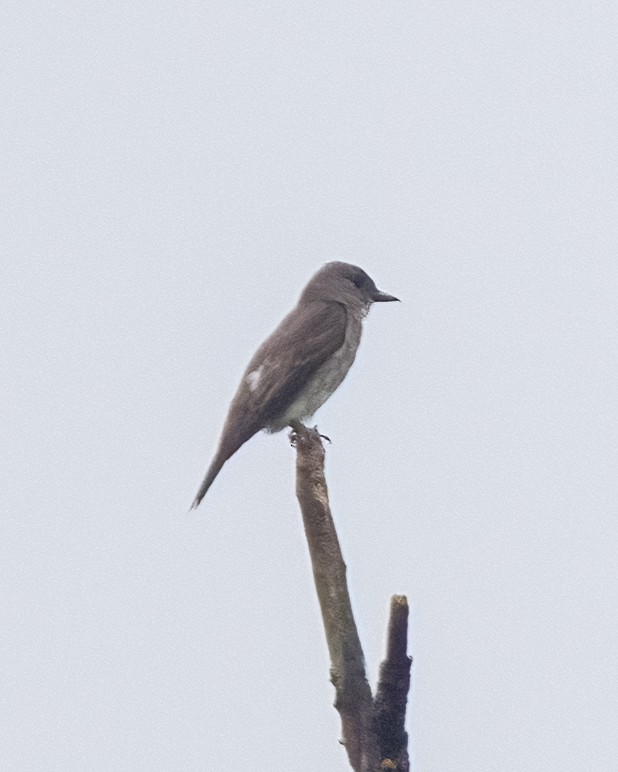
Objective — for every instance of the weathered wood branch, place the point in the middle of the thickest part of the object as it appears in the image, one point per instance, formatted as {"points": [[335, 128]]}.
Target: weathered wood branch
{"points": [[372, 742], [392, 690]]}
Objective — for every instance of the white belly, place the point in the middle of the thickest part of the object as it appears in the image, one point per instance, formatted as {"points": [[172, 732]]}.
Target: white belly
{"points": [[325, 380]]}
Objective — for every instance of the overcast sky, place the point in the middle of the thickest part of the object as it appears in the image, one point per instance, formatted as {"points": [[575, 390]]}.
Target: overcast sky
{"points": [[172, 175]]}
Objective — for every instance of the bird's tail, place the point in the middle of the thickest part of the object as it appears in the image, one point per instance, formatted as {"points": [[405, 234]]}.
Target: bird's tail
{"points": [[213, 471], [231, 440]]}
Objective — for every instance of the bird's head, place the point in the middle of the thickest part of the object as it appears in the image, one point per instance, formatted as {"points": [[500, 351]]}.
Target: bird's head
{"points": [[347, 284]]}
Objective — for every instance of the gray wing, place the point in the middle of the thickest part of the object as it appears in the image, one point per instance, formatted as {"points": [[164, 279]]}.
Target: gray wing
{"points": [[282, 365]]}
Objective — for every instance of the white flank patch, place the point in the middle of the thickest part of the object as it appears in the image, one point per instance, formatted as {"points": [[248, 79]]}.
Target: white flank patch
{"points": [[253, 378]]}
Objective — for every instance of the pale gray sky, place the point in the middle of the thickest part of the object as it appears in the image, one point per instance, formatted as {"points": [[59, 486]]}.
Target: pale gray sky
{"points": [[173, 173]]}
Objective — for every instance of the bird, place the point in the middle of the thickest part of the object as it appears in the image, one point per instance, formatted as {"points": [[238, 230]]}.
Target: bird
{"points": [[302, 363]]}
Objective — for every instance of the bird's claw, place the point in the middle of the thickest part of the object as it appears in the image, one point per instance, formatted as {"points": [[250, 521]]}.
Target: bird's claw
{"points": [[323, 436], [298, 430]]}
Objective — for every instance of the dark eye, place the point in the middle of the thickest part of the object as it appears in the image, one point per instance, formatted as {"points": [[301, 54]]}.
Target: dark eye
{"points": [[357, 282]]}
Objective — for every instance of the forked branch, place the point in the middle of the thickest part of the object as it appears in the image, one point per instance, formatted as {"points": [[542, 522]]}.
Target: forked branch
{"points": [[372, 729]]}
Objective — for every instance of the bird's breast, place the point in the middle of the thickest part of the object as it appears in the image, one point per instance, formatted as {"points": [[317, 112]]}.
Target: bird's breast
{"points": [[326, 379]]}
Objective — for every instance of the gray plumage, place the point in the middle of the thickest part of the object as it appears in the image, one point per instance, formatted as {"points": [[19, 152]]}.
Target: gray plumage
{"points": [[301, 364]]}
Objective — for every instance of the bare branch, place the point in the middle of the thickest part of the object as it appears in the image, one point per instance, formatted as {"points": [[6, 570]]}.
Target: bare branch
{"points": [[353, 694], [392, 692]]}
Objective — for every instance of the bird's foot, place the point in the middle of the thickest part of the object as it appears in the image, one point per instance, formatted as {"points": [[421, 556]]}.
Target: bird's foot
{"points": [[296, 433], [300, 431], [323, 436]]}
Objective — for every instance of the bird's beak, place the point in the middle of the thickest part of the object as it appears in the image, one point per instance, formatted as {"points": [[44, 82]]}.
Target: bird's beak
{"points": [[382, 297]]}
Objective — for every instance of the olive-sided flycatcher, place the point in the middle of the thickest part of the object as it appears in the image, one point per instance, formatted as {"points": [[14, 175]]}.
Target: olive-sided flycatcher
{"points": [[301, 364]]}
